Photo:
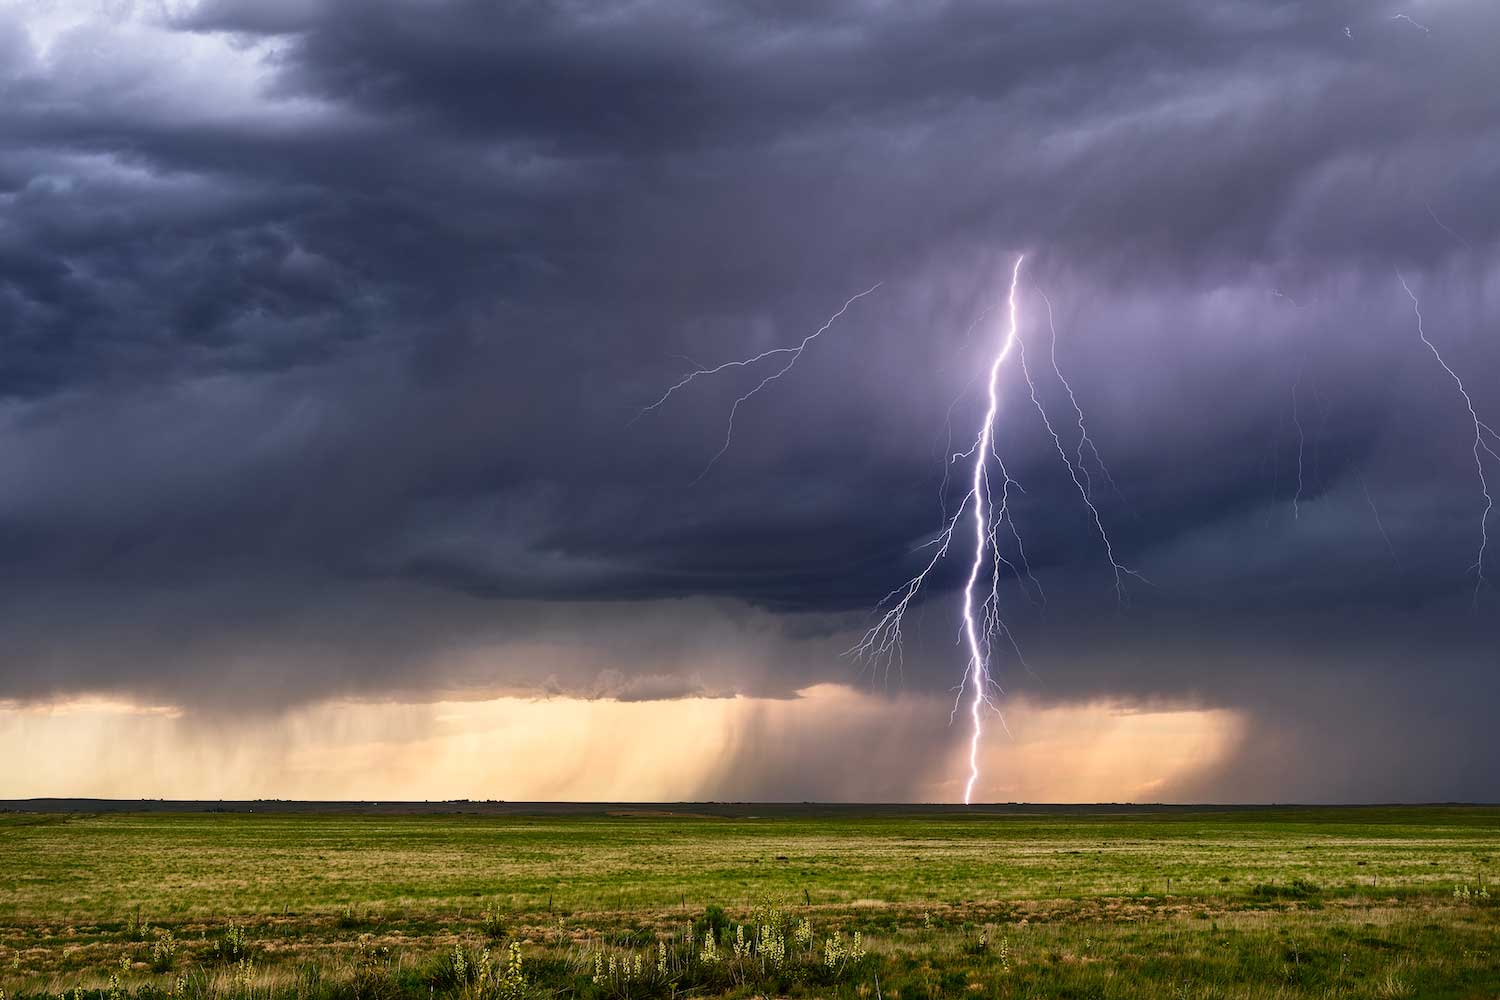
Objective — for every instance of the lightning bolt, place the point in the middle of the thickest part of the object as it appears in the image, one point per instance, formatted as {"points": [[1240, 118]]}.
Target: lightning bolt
{"points": [[1444, 226], [1479, 448], [792, 355], [981, 620], [1408, 20], [1379, 524], [978, 674], [989, 509], [1076, 473], [1301, 449], [1296, 393], [1084, 440]]}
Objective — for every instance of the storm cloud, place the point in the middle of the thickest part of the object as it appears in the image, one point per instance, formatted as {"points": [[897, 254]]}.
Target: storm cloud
{"points": [[326, 330]]}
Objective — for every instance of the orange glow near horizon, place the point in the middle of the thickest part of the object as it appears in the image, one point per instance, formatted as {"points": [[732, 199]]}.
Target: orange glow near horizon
{"points": [[832, 742]]}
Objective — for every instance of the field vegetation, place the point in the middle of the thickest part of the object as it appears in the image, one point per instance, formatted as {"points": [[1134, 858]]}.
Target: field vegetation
{"points": [[1387, 902]]}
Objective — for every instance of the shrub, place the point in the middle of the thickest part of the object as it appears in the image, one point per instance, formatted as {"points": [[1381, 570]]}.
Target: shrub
{"points": [[163, 951], [772, 958], [714, 921], [1479, 896], [493, 924], [242, 976], [452, 969], [372, 979], [233, 945], [632, 975], [1297, 888], [137, 928]]}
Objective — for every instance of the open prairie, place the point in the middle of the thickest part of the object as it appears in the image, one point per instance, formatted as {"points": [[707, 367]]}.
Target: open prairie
{"points": [[627, 901]]}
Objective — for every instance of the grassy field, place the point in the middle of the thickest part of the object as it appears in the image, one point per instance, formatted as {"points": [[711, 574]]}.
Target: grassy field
{"points": [[1366, 902]]}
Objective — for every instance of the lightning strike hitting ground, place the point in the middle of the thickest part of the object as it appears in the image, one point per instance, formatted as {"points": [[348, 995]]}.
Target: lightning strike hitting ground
{"points": [[882, 641], [982, 622], [977, 674], [793, 354], [1480, 447]]}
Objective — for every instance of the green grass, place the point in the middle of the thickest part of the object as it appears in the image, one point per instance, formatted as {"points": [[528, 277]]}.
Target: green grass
{"points": [[1273, 903]]}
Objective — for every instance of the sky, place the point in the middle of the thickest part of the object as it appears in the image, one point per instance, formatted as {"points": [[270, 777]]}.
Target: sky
{"points": [[328, 331]]}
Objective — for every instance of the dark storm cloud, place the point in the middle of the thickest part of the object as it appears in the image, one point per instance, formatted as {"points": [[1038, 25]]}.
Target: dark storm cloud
{"points": [[323, 325]]}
